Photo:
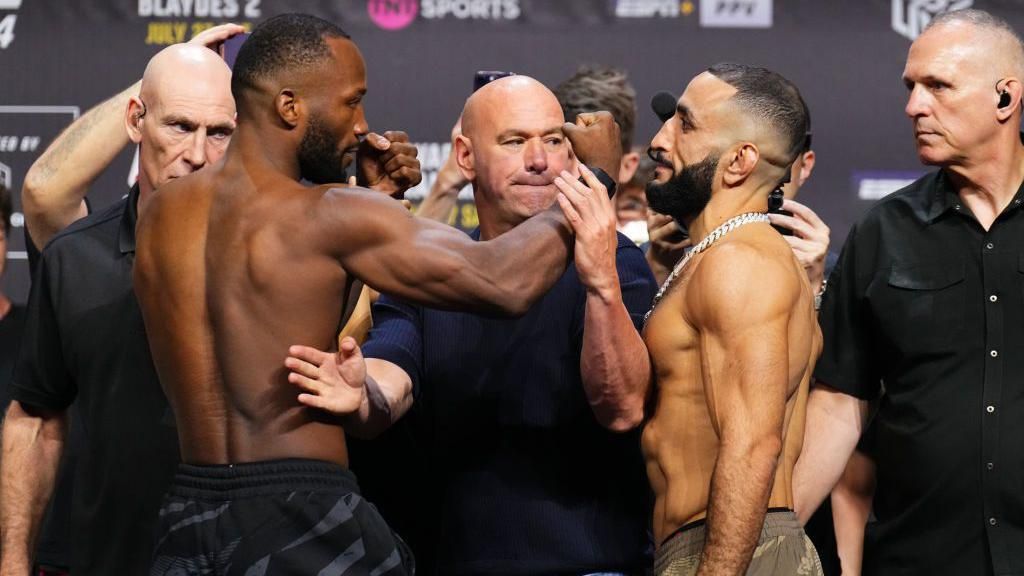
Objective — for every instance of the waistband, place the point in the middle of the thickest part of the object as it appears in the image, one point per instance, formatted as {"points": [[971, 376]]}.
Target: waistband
{"points": [[777, 522], [224, 481]]}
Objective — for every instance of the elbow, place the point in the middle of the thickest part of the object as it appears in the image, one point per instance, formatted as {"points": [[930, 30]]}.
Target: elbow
{"points": [[622, 418]]}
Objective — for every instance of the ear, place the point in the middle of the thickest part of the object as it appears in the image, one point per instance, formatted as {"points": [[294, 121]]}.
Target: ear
{"points": [[133, 116], [740, 162], [1013, 87], [627, 167], [463, 151], [289, 108], [806, 167]]}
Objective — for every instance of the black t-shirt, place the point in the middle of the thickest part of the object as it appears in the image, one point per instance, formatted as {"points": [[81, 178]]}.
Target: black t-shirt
{"points": [[85, 343], [520, 478], [925, 311]]}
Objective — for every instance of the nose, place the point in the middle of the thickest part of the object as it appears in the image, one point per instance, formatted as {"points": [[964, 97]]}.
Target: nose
{"points": [[535, 157], [361, 128], [663, 139], [917, 102], [195, 150]]}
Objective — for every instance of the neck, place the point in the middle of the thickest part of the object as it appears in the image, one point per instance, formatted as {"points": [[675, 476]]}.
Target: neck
{"points": [[989, 182], [723, 206], [263, 149]]}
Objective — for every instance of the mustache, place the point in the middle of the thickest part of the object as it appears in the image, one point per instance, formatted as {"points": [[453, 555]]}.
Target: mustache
{"points": [[658, 157]]}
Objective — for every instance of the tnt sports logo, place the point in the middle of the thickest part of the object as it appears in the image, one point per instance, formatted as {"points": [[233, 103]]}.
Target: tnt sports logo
{"points": [[910, 17], [393, 14], [736, 13], [397, 14]]}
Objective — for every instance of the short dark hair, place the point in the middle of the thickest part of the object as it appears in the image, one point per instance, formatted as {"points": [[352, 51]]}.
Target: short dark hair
{"points": [[600, 88], [6, 208], [283, 42], [771, 99]]}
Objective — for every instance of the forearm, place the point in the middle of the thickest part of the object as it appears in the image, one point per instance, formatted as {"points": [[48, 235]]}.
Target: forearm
{"points": [[57, 182], [740, 489], [834, 422], [851, 507], [443, 197], [526, 261], [614, 365], [32, 447], [387, 400]]}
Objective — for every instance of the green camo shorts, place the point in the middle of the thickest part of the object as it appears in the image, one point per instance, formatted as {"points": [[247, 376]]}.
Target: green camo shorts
{"points": [[783, 550]]}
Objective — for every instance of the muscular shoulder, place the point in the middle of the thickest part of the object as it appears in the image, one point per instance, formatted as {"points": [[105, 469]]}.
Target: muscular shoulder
{"points": [[746, 279]]}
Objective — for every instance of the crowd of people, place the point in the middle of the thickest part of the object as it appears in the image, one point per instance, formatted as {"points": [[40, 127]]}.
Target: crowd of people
{"points": [[260, 361]]}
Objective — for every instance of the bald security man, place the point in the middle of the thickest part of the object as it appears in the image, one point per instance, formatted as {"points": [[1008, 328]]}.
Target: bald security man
{"points": [[85, 344], [924, 313], [732, 335], [240, 260]]}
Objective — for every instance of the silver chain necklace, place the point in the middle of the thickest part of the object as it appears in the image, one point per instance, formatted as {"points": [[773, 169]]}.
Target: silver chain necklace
{"points": [[726, 227]]}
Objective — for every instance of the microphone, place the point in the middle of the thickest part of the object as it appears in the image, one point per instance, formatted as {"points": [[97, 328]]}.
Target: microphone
{"points": [[664, 105]]}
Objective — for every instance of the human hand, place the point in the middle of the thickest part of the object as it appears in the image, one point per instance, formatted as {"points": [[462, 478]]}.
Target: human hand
{"points": [[213, 38], [595, 141], [809, 241], [668, 244], [332, 382], [592, 218], [387, 163]]}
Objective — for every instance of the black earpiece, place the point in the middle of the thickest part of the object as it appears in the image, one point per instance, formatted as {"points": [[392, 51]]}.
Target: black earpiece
{"points": [[1004, 99]]}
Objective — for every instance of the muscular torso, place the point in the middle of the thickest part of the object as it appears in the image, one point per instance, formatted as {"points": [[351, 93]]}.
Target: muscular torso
{"points": [[231, 278], [681, 438]]}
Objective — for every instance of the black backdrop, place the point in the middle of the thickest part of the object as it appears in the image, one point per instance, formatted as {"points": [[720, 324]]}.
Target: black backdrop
{"points": [[61, 57]]}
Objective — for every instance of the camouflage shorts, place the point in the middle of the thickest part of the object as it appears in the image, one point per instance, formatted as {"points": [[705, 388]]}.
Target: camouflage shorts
{"points": [[783, 550]]}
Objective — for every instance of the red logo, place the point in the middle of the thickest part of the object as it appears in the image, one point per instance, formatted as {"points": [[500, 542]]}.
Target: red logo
{"points": [[393, 14]]}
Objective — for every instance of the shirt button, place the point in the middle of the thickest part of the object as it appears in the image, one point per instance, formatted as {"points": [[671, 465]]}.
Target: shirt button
{"points": [[993, 521], [994, 353], [990, 409], [956, 207], [990, 245], [990, 465], [993, 298]]}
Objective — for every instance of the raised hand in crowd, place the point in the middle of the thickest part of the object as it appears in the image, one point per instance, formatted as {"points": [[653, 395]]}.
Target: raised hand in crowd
{"points": [[668, 245], [438, 203], [809, 240], [387, 163]]}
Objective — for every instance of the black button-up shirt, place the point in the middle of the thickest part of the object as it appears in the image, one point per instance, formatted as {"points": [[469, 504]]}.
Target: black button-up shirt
{"points": [[926, 309], [85, 343]]}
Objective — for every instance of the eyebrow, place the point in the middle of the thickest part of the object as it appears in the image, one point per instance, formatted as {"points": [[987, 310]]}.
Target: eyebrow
{"points": [[684, 111], [517, 132], [192, 124]]}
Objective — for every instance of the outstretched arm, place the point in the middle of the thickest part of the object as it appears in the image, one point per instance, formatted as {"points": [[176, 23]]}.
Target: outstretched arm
{"points": [[745, 358]]}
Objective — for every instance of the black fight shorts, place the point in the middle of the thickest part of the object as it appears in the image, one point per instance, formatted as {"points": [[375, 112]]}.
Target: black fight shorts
{"points": [[281, 517]]}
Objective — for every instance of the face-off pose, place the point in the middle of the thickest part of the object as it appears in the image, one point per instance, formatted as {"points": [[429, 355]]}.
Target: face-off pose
{"points": [[733, 335]]}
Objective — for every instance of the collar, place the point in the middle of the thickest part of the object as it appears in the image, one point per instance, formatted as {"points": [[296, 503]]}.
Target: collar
{"points": [[126, 235]]}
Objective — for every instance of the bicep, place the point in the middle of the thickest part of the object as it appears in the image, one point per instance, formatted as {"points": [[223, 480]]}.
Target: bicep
{"points": [[411, 258]]}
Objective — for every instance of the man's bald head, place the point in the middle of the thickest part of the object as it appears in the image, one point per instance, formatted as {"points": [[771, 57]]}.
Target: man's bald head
{"points": [[512, 147], [185, 68], [495, 98], [990, 35]]}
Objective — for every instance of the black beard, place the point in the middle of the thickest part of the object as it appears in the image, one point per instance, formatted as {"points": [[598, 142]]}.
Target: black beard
{"points": [[685, 195], [320, 161]]}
